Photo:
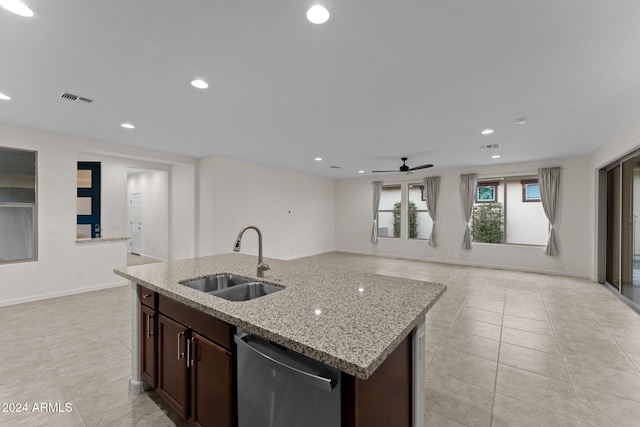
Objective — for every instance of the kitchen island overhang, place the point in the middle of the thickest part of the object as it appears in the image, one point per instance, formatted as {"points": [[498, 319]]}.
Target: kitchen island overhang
{"points": [[348, 320]]}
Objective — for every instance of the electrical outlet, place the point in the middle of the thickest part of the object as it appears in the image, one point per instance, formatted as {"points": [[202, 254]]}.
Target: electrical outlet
{"points": [[79, 274], [116, 225]]}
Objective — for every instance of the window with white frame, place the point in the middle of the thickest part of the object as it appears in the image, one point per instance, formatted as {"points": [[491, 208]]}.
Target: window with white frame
{"points": [[509, 211], [389, 211], [403, 212], [418, 218]]}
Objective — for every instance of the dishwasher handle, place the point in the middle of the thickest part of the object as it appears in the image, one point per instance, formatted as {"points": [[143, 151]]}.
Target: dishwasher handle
{"points": [[317, 381]]}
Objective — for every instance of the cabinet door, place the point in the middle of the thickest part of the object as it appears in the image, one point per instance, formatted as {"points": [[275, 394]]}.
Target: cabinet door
{"points": [[211, 383], [172, 363], [148, 350]]}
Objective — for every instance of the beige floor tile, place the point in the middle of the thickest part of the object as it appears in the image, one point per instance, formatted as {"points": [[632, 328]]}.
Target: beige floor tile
{"points": [[529, 325], [485, 304], [528, 313], [550, 365], [611, 357], [629, 344], [475, 327], [56, 416], [465, 367], [531, 340], [601, 378], [458, 400], [434, 419], [601, 409], [481, 315], [538, 390], [522, 303], [509, 412], [472, 344], [434, 333], [635, 359], [111, 402]]}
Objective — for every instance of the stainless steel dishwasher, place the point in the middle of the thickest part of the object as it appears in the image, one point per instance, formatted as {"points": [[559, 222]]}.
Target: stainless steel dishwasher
{"points": [[278, 387]]}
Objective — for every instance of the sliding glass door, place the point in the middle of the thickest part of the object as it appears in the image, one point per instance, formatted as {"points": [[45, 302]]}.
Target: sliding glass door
{"points": [[623, 227]]}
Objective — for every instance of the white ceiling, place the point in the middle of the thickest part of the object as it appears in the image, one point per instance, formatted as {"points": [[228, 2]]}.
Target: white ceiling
{"points": [[379, 80]]}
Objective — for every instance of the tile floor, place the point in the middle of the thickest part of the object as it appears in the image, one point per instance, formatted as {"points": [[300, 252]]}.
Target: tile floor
{"points": [[504, 349]]}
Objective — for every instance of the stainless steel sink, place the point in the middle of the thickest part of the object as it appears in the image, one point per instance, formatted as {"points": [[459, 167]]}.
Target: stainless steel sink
{"points": [[215, 282], [247, 291]]}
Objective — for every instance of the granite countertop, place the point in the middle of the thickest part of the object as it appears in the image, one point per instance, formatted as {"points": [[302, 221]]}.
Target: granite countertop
{"points": [[363, 318]]}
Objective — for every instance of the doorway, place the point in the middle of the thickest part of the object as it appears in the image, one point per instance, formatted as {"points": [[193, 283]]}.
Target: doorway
{"points": [[622, 227], [135, 223]]}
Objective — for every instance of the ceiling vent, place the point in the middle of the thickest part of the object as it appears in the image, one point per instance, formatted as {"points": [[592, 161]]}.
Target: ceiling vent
{"points": [[490, 147], [69, 97], [335, 167]]}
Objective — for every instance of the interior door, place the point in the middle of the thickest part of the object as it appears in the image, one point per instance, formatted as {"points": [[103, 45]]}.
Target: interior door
{"points": [[135, 223]]}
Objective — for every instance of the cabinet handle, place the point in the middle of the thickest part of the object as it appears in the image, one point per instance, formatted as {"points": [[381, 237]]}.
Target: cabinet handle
{"points": [[149, 331], [180, 354], [189, 361]]}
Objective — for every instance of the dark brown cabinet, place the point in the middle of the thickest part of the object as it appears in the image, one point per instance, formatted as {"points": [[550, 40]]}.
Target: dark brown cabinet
{"points": [[195, 373], [149, 338], [172, 363], [211, 401], [148, 347]]}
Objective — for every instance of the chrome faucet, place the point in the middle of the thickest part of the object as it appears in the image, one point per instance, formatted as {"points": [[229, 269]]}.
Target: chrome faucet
{"points": [[262, 267]]}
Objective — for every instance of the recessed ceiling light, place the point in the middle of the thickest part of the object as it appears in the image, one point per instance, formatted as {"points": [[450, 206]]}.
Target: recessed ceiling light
{"points": [[317, 14], [128, 126], [495, 156], [17, 7], [487, 131], [5, 97], [521, 120], [360, 171], [200, 84], [318, 159]]}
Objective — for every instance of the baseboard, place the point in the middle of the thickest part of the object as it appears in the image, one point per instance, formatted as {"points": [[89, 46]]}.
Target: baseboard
{"points": [[62, 293]]}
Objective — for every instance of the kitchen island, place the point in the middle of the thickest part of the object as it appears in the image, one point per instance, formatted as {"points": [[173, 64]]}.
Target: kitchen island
{"points": [[347, 320]]}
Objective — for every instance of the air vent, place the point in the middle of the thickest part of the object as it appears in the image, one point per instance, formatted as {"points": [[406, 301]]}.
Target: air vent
{"points": [[335, 167], [490, 147], [69, 97]]}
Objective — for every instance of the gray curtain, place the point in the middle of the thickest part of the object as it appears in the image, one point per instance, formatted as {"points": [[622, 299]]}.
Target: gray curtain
{"points": [[549, 179], [467, 198], [377, 193], [432, 188]]}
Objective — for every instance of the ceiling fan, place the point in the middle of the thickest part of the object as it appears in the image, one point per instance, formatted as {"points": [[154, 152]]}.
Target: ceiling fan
{"points": [[405, 168]]}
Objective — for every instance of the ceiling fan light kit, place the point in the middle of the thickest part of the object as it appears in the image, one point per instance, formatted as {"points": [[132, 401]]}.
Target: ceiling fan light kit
{"points": [[405, 168]]}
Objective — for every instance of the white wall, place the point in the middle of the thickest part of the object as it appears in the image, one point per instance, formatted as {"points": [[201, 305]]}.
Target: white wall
{"points": [[573, 224], [113, 193], [295, 211], [183, 207], [63, 266], [153, 188]]}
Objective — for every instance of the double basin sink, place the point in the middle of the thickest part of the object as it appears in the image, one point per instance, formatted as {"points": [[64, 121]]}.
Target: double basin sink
{"points": [[232, 287]]}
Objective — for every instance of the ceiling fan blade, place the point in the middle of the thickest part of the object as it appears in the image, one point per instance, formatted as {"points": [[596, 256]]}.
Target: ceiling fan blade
{"points": [[421, 167]]}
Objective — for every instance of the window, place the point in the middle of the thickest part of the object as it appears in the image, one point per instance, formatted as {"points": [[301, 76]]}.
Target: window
{"points": [[487, 192], [531, 191], [404, 201], [389, 212], [88, 200], [418, 218], [510, 217], [18, 205]]}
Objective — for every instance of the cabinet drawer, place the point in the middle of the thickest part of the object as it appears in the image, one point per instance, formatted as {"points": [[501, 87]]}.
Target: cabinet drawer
{"points": [[148, 297], [214, 329]]}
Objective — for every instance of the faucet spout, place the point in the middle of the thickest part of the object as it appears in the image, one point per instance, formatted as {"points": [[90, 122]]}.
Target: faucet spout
{"points": [[262, 267]]}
